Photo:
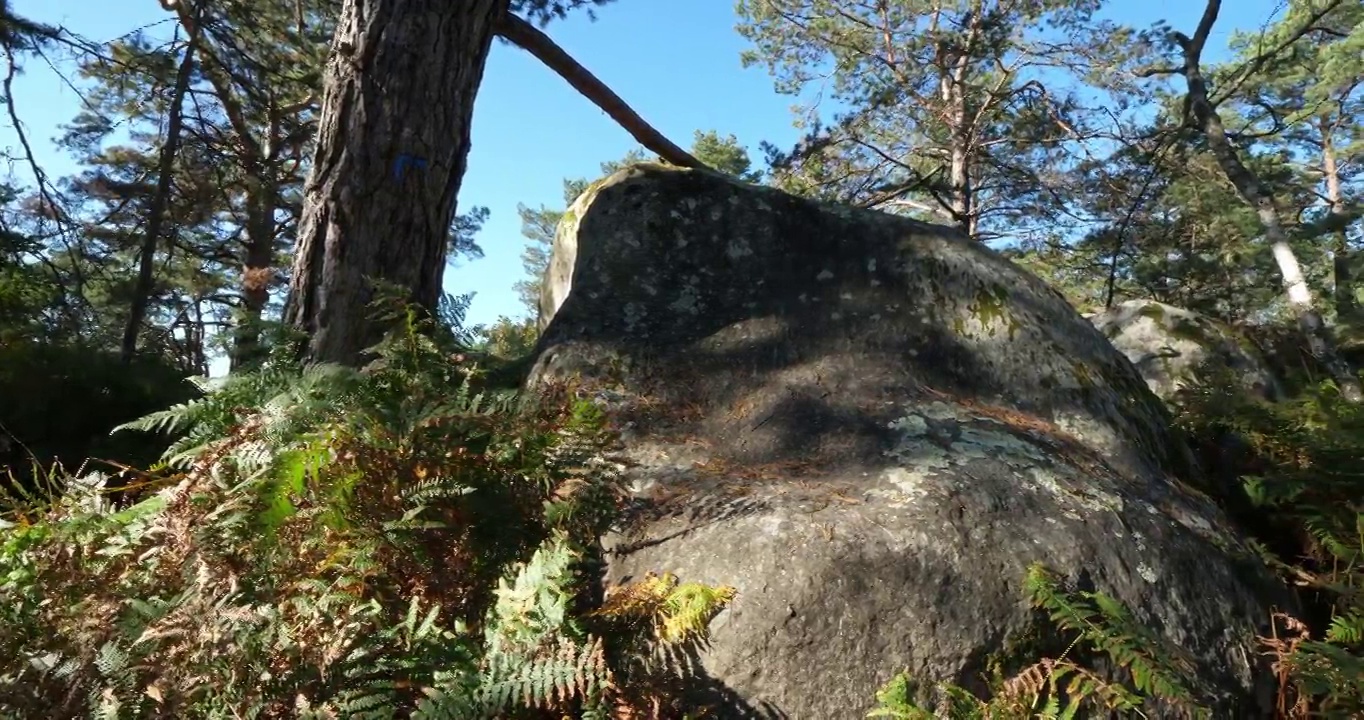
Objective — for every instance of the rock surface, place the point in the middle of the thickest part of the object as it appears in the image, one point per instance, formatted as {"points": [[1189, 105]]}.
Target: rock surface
{"points": [[870, 427], [1172, 346]]}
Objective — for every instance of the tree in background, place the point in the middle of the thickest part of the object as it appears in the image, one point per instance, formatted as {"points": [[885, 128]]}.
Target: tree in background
{"points": [[951, 109], [1201, 112], [262, 67], [219, 184], [1311, 98], [1171, 229]]}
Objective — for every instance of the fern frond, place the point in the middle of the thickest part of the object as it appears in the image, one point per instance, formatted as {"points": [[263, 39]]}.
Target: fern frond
{"points": [[1155, 667]]}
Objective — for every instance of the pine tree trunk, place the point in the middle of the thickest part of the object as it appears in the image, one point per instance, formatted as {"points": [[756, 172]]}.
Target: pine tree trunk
{"points": [[257, 270], [392, 143], [1248, 186], [1344, 281], [156, 214], [952, 68]]}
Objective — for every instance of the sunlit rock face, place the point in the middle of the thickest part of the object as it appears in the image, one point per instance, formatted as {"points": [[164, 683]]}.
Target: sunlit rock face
{"points": [[1173, 347], [870, 427]]}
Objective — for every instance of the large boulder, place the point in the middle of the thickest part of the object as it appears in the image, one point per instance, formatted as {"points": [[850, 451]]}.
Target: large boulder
{"points": [[870, 427], [1172, 347]]}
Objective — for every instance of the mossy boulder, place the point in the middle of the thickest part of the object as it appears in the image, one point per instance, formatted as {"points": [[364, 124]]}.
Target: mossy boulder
{"points": [[870, 427], [1172, 347]]}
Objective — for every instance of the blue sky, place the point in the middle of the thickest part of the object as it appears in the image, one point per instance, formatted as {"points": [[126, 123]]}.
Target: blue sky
{"points": [[675, 61]]}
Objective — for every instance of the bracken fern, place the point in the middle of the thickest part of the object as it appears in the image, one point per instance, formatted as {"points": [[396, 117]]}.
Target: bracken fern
{"points": [[390, 541]]}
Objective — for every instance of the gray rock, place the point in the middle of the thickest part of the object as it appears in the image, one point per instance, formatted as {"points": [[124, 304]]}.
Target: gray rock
{"points": [[1172, 346], [870, 427]]}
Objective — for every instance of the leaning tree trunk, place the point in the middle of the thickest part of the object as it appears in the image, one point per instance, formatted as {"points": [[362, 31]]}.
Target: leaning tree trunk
{"points": [[1314, 330], [1344, 280], [1248, 186], [392, 142]]}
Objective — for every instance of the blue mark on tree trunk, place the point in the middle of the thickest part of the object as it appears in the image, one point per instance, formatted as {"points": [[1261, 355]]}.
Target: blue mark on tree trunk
{"points": [[405, 162]]}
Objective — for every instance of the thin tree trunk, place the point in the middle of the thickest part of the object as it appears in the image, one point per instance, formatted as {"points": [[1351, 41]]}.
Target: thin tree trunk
{"points": [[258, 261], [200, 359], [959, 197], [1248, 186], [258, 271], [142, 291], [953, 66], [260, 165], [392, 143], [1344, 281], [963, 205]]}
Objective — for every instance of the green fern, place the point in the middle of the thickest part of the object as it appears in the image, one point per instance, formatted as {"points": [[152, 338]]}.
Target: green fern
{"points": [[1156, 668], [895, 700], [1062, 689], [390, 541], [1310, 453]]}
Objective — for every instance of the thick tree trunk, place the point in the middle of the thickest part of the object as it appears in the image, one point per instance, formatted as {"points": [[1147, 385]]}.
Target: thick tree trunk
{"points": [[1248, 186], [156, 214], [392, 143]]}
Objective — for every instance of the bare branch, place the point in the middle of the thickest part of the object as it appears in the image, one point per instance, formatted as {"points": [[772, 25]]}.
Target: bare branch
{"points": [[528, 38], [1158, 71]]}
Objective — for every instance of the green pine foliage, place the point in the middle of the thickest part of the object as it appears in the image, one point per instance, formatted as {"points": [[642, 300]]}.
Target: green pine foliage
{"points": [[390, 541]]}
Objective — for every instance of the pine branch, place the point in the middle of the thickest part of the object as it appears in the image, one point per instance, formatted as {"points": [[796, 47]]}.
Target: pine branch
{"points": [[528, 38]]}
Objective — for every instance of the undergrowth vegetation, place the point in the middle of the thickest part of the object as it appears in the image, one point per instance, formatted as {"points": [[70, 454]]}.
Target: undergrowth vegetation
{"points": [[392, 541], [1069, 685], [1301, 466], [61, 398], [410, 539]]}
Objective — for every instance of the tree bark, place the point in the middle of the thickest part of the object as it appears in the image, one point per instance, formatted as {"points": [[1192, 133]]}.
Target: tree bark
{"points": [[953, 64], [959, 177], [392, 143], [1341, 255], [258, 269], [156, 214], [1248, 186]]}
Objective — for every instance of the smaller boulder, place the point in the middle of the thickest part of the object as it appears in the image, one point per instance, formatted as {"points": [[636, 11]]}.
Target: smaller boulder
{"points": [[1172, 346]]}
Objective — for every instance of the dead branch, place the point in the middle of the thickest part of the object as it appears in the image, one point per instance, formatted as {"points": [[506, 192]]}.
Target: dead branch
{"points": [[525, 36]]}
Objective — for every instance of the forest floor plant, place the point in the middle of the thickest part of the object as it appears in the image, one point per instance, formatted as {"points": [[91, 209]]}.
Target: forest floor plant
{"points": [[340, 543], [1077, 683], [1302, 471]]}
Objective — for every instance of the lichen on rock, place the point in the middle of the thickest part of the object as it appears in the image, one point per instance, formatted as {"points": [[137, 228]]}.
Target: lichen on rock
{"points": [[871, 426]]}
